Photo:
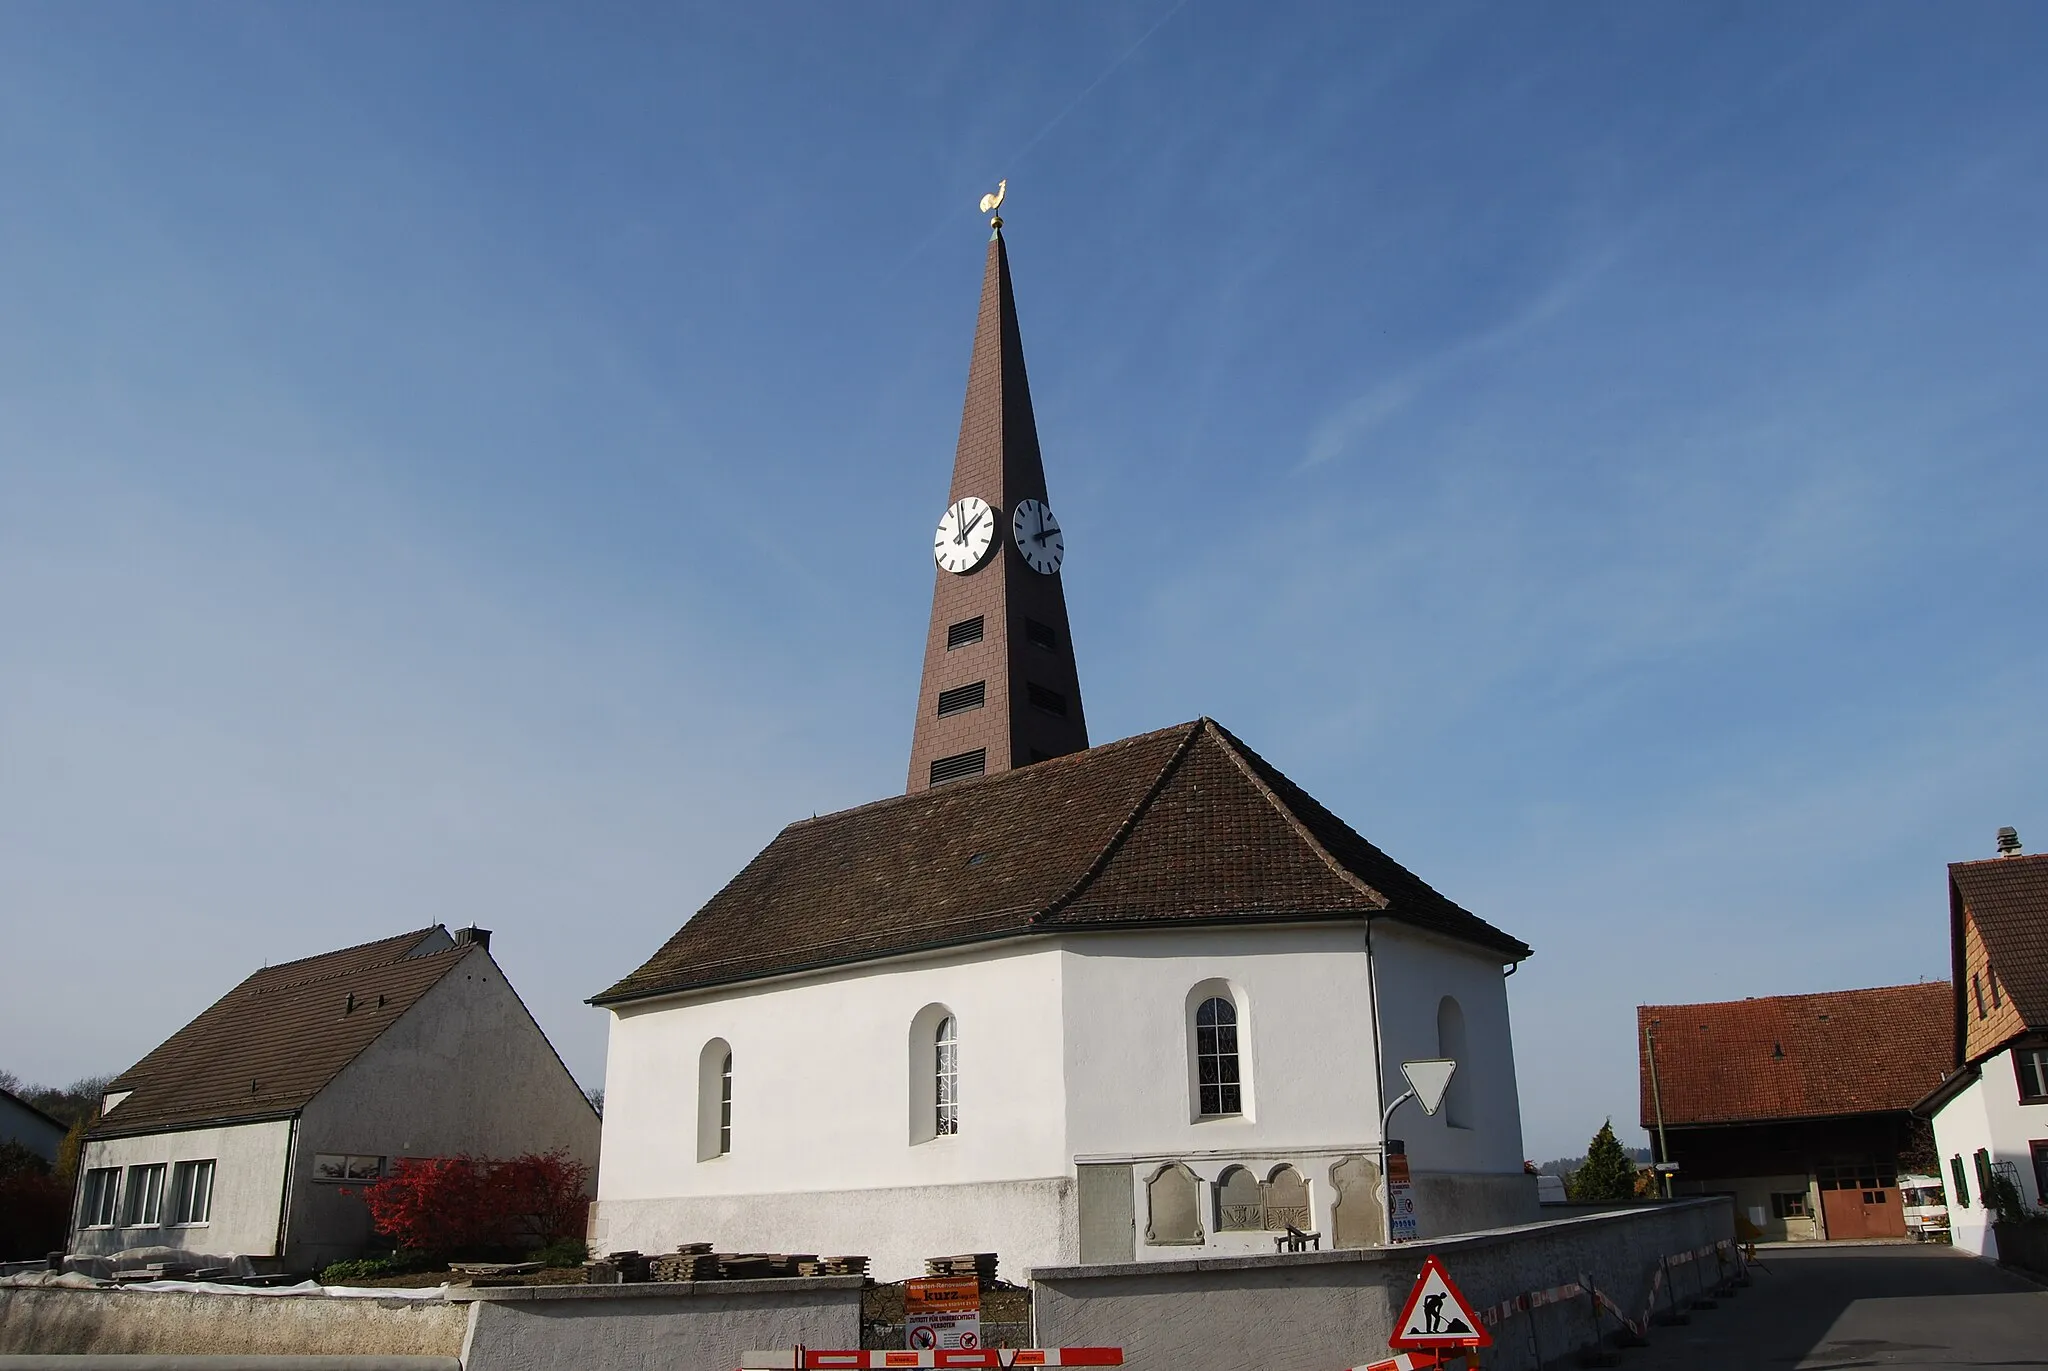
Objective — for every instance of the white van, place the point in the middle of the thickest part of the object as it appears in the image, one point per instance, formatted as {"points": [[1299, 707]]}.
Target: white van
{"points": [[1926, 1208]]}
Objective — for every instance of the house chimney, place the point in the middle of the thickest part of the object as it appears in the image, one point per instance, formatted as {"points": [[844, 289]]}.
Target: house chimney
{"points": [[480, 936], [2008, 841]]}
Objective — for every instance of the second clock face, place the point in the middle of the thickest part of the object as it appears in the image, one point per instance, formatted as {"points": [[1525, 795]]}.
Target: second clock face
{"points": [[967, 533], [1039, 540]]}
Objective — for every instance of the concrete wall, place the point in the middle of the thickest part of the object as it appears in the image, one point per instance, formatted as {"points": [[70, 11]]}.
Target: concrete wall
{"points": [[465, 1070], [644, 1327], [248, 1188], [1323, 1310], [138, 1321], [1987, 1114]]}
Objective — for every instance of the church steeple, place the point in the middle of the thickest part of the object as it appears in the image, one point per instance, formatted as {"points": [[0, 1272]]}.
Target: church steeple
{"points": [[1000, 687]]}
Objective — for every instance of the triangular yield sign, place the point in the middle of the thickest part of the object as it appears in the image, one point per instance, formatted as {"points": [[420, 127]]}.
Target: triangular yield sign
{"points": [[1437, 1314], [1429, 1078]]}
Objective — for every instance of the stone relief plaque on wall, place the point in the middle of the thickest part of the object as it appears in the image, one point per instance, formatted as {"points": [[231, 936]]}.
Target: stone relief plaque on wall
{"points": [[1286, 1199], [1173, 1207], [1240, 1201], [1357, 1217]]}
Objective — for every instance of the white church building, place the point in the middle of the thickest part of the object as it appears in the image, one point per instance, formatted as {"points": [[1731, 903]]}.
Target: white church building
{"points": [[1068, 1004]]}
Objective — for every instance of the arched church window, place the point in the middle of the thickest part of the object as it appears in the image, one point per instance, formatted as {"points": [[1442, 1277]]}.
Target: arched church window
{"points": [[1451, 1042], [714, 1100], [1216, 1073], [933, 1073], [946, 1077]]}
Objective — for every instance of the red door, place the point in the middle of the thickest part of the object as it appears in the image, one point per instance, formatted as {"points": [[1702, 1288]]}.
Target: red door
{"points": [[1875, 1212]]}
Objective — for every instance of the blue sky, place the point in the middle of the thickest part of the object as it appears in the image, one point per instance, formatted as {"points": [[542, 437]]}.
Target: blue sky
{"points": [[476, 464]]}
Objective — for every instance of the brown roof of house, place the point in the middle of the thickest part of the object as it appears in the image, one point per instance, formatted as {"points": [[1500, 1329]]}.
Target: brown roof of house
{"points": [[1795, 1056], [271, 1044], [2008, 897], [1185, 825]]}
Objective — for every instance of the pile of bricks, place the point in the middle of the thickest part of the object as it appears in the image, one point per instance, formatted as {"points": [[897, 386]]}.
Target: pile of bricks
{"points": [[695, 1261], [980, 1265], [834, 1266]]}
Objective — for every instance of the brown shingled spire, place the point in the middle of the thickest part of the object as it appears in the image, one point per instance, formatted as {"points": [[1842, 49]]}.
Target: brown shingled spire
{"points": [[1021, 656]]}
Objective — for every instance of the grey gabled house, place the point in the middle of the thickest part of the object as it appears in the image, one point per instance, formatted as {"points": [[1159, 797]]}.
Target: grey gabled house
{"points": [[252, 1130]]}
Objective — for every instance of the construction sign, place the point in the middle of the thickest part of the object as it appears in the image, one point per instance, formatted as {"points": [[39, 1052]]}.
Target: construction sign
{"points": [[1438, 1314], [942, 1311]]}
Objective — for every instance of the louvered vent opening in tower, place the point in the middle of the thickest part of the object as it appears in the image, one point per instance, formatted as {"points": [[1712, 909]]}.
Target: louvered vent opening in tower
{"points": [[960, 699], [964, 633], [1041, 635], [1051, 701], [960, 766]]}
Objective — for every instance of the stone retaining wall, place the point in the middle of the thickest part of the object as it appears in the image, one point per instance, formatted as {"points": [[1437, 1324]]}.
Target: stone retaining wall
{"points": [[1323, 1311], [168, 1322]]}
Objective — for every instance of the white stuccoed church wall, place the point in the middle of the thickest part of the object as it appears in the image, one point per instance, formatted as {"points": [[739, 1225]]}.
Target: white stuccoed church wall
{"points": [[1076, 1047], [1465, 1178], [822, 1158], [1304, 1038]]}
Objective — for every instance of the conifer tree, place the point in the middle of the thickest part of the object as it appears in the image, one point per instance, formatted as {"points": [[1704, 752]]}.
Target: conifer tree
{"points": [[1607, 1175]]}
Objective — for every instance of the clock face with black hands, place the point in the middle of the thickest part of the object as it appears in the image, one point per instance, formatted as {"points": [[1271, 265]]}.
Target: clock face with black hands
{"points": [[1037, 536], [966, 536]]}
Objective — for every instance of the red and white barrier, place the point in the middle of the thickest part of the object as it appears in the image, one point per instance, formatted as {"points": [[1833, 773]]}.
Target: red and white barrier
{"points": [[1415, 1361], [816, 1359]]}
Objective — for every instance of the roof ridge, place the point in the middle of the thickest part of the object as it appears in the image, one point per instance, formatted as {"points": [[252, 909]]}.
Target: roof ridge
{"points": [[1123, 830], [1944, 984], [414, 933], [990, 781], [2010, 859], [1234, 750], [341, 972]]}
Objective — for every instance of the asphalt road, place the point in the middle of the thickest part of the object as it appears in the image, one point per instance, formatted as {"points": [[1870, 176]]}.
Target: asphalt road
{"points": [[1834, 1308]]}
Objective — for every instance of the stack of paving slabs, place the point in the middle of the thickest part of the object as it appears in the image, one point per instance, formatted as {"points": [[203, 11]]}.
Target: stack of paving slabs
{"points": [[748, 1266], [618, 1268], [692, 1261], [834, 1266], [980, 1265]]}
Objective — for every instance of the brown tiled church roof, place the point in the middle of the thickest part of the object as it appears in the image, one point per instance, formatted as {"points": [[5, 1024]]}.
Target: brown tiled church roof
{"points": [[267, 1047], [1183, 826], [2008, 897], [1795, 1056]]}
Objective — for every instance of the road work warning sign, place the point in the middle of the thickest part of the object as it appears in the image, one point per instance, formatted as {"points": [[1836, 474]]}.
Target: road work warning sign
{"points": [[940, 1311], [1437, 1314]]}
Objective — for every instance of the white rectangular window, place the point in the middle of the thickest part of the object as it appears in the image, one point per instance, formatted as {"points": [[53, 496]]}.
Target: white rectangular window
{"points": [[145, 1197], [101, 1197], [192, 1192], [2033, 1068], [337, 1166]]}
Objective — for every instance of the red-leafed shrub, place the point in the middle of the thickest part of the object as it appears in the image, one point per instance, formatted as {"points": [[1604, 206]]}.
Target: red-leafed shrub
{"points": [[455, 1205]]}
